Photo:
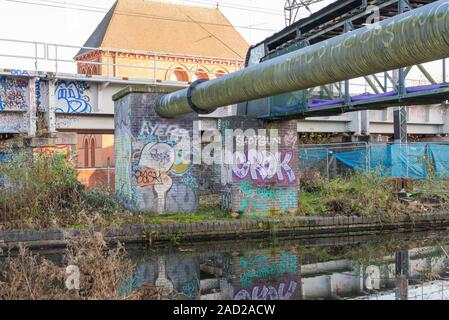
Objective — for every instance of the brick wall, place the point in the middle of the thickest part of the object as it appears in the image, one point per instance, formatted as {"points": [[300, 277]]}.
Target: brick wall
{"points": [[97, 178], [269, 182], [153, 172]]}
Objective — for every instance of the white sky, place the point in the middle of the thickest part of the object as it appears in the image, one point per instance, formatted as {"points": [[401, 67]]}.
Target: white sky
{"points": [[24, 21], [46, 21]]}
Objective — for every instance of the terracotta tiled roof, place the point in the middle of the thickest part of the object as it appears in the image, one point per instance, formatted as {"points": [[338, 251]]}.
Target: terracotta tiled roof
{"points": [[168, 28]]}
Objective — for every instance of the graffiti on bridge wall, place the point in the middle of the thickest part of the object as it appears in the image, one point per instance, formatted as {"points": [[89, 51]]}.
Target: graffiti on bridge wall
{"points": [[13, 94], [265, 278], [63, 150], [291, 138], [263, 166], [285, 289], [41, 93], [256, 267], [73, 97], [168, 277], [260, 199], [226, 198], [123, 153], [164, 171]]}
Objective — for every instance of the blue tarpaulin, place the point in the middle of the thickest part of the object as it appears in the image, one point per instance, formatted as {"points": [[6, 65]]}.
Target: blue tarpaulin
{"points": [[354, 159], [440, 158], [391, 160]]}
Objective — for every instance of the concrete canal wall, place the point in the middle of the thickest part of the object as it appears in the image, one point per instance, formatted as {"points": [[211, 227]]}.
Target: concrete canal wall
{"points": [[298, 227]]}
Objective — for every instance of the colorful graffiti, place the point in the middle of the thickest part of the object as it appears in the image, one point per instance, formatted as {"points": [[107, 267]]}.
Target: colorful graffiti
{"points": [[284, 290], [13, 93], [152, 131], [291, 138], [258, 200], [259, 274], [41, 93], [72, 97], [190, 289], [17, 72], [163, 172], [260, 267], [263, 166], [63, 150], [147, 177]]}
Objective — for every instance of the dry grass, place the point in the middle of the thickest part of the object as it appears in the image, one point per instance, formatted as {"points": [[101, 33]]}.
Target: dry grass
{"points": [[104, 273]]}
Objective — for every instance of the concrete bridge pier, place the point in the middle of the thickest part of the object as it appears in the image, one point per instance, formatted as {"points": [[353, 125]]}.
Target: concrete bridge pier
{"points": [[154, 172], [260, 174]]}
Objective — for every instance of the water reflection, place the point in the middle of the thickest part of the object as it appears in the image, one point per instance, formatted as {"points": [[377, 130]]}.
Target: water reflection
{"points": [[412, 268]]}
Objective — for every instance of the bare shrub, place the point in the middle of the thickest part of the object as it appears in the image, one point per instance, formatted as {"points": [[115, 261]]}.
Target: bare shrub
{"points": [[311, 180], [29, 277], [104, 273]]}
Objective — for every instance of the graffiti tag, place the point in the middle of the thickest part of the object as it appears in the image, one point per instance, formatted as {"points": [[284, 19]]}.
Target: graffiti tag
{"points": [[284, 291], [72, 97], [263, 166]]}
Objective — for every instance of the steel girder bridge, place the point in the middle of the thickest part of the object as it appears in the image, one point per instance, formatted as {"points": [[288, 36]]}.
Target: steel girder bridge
{"points": [[376, 91], [349, 56]]}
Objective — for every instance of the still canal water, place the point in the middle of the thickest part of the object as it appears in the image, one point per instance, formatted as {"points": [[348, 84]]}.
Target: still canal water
{"points": [[403, 266], [412, 266]]}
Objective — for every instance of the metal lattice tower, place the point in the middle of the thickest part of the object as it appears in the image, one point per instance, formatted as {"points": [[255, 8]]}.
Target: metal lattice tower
{"points": [[292, 7]]}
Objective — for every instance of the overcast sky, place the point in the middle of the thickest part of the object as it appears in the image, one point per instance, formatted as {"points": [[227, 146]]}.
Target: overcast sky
{"points": [[46, 21], [71, 22]]}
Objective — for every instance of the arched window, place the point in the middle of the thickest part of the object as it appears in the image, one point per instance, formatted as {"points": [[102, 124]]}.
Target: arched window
{"points": [[200, 74], [219, 73], [179, 74], [92, 152], [86, 152]]}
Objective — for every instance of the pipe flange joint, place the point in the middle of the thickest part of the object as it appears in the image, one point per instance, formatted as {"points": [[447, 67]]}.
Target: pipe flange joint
{"points": [[193, 106]]}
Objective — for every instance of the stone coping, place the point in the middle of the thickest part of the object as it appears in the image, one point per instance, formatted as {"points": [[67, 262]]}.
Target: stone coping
{"points": [[298, 227], [147, 88]]}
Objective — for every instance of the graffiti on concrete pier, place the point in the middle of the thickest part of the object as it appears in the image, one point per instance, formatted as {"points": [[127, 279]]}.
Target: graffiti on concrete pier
{"points": [[73, 97], [13, 94], [263, 166], [284, 290]]}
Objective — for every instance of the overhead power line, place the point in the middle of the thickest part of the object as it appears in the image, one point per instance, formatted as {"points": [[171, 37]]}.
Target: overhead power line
{"points": [[131, 14], [239, 7], [209, 2]]}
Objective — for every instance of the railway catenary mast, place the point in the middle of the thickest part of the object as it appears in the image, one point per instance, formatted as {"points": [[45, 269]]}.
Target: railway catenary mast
{"points": [[291, 9], [414, 37]]}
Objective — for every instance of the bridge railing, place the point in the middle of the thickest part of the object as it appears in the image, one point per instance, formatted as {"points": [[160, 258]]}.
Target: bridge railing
{"points": [[110, 63], [369, 89], [431, 73]]}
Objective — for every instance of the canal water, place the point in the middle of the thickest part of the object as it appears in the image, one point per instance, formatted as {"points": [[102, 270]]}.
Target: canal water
{"points": [[413, 266], [410, 266]]}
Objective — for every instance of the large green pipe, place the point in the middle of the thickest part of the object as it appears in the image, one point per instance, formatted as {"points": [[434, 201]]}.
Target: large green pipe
{"points": [[418, 36]]}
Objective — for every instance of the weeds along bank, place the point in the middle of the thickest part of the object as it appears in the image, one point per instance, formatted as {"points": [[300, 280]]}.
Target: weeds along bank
{"points": [[43, 192], [103, 273], [370, 194]]}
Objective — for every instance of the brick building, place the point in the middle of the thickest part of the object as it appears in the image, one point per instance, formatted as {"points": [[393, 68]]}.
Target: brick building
{"points": [[157, 41]]}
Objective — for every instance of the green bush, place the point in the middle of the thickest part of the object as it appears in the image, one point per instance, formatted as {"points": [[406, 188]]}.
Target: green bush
{"points": [[38, 188], [360, 195], [101, 201], [43, 191]]}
